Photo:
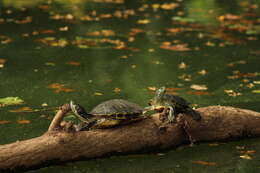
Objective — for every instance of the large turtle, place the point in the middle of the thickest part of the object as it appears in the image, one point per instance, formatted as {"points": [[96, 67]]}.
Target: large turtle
{"points": [[171, 104], [107, 114]]}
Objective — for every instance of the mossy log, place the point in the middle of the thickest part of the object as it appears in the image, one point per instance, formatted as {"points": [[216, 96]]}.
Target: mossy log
{"points": [[60, 144]]}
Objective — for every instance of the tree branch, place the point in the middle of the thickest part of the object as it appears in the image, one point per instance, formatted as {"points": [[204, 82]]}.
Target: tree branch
{"points": [[58, 145]]}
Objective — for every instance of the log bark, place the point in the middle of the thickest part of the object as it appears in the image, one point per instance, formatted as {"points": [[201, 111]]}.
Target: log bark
{"points": [[61, 145]]}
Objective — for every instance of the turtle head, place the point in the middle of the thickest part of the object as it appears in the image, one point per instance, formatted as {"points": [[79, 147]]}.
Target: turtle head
{"points": [[158, 98], [79, 111], [160, 92]]}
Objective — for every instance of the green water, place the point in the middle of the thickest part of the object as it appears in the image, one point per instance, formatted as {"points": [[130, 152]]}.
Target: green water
{"points": [[99, 50]]}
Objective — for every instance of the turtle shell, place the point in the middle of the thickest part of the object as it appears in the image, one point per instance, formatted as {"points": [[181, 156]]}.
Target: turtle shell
{"points": [[117, 108]]}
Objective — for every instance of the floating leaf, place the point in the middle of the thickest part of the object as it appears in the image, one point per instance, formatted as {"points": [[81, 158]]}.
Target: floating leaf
{"points": [[202, 72], [169, 6], [22, 109], [50, 64], [23, 121], [182, 65], [117, 90], [256, 91], [152, 88], [11, 101], [256, 82], [198, 87], [59, 88], [144, 21], [5, 122], [248, 152], [177, 47], [74, 63], [232, 93], [205, 163], [198, 93], [246, 156], [213, 144], [98, 94]]}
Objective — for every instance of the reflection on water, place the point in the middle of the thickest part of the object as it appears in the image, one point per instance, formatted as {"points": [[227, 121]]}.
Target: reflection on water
{"points": [[91, 51]]}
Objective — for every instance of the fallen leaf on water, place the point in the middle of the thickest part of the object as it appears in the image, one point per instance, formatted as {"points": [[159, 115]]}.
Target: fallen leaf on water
{"points": [[144, 21], [198, 87], [169, 6], [133, 66], [256, 91], [205, 163], [74, 63], [23, 121], [202, 72], [117, 90], [11, 101], [59, 88], [182, 65], [50, 64], [98, 94], [232, 93], [177, 47], [152, 88], [256, 82], [5, 122], [198, 93], [240, 147], [47, 31], [246, 156], [22, 109], [185, 77], [248, 152], [213, 144], [2, 61]]}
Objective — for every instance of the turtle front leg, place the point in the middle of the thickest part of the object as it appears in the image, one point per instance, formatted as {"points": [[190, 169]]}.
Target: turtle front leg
{"points": [[171, 115]]}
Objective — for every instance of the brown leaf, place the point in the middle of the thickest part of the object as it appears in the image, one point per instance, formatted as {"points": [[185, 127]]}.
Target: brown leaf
{"points": [[248, 152], [74, 63], [22, 109], [205, 163], [47, 31], [59, 88], [5, 122], [177, 47], [198, 93], [23, 121]]}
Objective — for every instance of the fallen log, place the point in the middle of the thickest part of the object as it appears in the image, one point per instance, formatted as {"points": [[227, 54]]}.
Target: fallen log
{"points": [[60, 144]]}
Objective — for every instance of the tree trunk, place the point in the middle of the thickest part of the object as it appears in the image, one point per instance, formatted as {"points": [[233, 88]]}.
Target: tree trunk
{"points": [[60, 145]]}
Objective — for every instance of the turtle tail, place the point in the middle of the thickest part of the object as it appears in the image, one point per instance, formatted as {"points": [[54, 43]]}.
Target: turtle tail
{"points": [[195, 114]]}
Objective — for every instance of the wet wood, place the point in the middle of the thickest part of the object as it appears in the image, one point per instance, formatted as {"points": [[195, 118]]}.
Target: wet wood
{"points": [[60, 144]]}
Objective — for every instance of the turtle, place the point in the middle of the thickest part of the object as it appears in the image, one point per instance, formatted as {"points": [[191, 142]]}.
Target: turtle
{"points": [[172, 104], [107, 114]]}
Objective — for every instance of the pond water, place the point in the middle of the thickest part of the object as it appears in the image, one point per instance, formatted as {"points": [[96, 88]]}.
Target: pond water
{"points": [[55, 51]]}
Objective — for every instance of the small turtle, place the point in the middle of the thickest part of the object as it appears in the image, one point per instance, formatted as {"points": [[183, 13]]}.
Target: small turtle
{"points": [[107, 114], [171, 103]]}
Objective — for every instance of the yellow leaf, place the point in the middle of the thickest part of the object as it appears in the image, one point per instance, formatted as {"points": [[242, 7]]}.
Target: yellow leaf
{"points": [[144, 21], [98, 94], [23, 121], [256, 91]]}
